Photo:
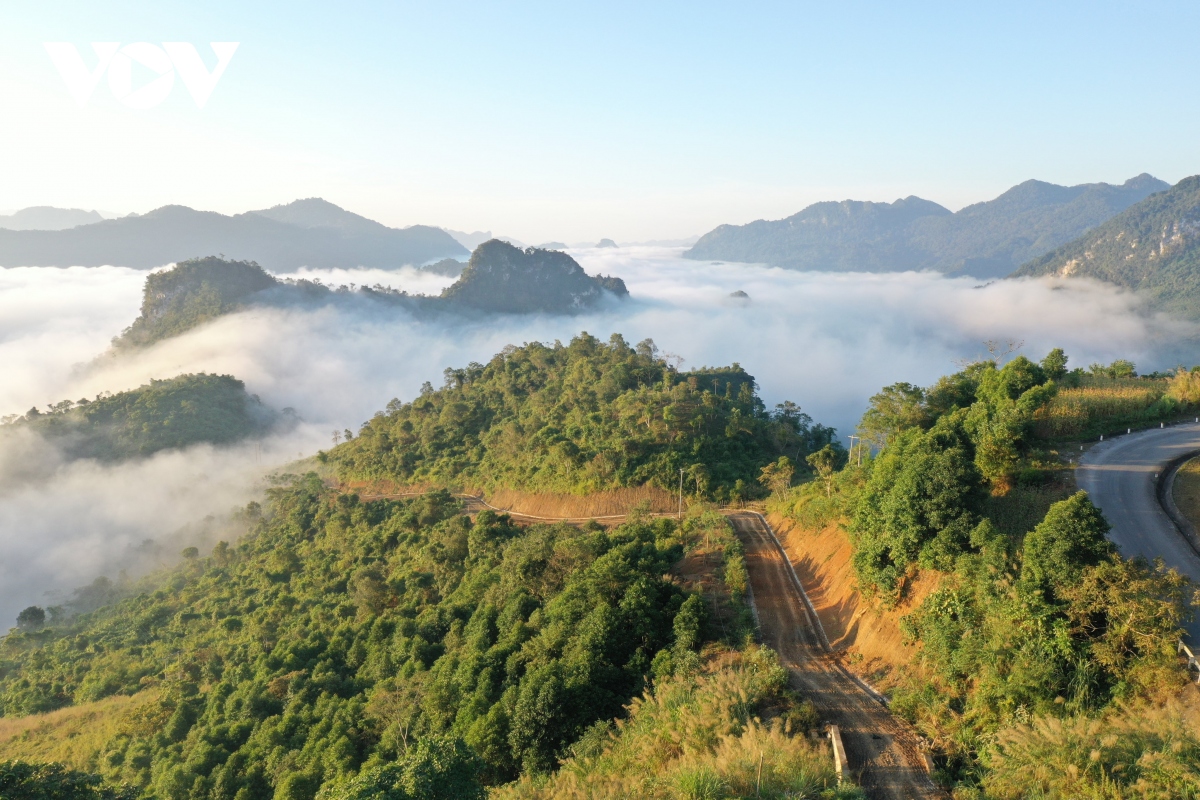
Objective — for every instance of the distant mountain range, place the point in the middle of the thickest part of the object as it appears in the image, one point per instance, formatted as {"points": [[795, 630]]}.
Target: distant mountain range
{"points": [[307, 233], [1152, 248], [47, 218], [984, 240]]}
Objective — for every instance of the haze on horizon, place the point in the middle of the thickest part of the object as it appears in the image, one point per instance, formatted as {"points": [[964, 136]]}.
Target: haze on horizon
{"points": [[616, 120]]}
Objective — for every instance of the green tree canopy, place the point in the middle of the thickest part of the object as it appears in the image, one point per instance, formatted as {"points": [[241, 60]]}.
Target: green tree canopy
{"points": [[1070, 538], [921, 503], [584, 417]]}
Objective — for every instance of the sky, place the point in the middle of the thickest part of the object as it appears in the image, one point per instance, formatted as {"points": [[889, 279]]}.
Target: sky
{"points": [[575, 121]]}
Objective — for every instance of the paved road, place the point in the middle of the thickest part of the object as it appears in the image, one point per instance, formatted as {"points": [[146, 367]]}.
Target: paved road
{"points": [[1120, 476], [883, 752]]}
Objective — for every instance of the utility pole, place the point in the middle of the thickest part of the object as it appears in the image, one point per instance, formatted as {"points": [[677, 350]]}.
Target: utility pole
{"points": [[680, 514], [852, 438]]}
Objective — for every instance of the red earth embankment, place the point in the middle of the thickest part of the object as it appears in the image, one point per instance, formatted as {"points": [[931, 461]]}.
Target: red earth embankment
{"points": [[867, 636]]}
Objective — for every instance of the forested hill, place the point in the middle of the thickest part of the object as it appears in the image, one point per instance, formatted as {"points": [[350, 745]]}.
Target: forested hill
{"points": [[402, 650], [499, 279], [191, 293], [283, 239], [1152, 248], [162, 415], [584, 417], [985, 240]]}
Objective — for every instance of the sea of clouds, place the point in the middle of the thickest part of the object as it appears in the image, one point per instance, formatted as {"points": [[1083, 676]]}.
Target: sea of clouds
{"points": [[825, 341]]}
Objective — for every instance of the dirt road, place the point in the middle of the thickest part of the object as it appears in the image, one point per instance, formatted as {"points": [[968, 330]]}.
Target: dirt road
{"points": [[883, 752]]}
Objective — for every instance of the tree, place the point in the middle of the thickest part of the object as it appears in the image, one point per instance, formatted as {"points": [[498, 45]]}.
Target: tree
{"points": [[376, 783], [1055, 364], [20, 780], [1069, 538], [825, 462], [777, 477], [1122, 368], [441, 768], [921, 503], [894, 409], [688, 623], [31, 619], [1000, 420]]}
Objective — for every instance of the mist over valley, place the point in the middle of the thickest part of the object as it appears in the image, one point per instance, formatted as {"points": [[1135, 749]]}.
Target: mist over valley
{"points": [[465, 402]]}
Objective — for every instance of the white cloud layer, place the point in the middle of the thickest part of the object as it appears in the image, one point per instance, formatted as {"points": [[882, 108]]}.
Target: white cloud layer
{"points": [[826, 341]]}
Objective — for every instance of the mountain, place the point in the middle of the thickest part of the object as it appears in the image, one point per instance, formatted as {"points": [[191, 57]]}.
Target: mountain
{"points": [[48, 218], [500, 277], [309, 233], [470, 240], [985, 240], [1152, 247], [191, 293], [447, 268], [314, 212]]}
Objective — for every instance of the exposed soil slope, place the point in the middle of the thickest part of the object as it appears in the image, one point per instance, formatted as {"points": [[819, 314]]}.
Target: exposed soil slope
{"points": [[868, 638], [883, 752]]}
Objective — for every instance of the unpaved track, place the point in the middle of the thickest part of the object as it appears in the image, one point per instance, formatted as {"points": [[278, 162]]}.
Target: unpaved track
{"points": [[884, 755], [883, 752]]}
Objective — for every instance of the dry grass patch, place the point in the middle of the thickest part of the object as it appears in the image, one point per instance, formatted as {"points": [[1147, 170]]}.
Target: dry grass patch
{"points": [[597, 504], [1075, 412], [76, 736]]}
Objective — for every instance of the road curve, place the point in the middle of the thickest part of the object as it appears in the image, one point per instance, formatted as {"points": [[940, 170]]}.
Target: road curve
{"points": [[1121, 477], [883, 753]]}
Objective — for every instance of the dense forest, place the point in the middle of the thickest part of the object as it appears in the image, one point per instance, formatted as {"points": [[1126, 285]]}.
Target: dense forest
{"points": [[162, 415], [362, 648], [1044, 658], [403, 649], [583, 417]]}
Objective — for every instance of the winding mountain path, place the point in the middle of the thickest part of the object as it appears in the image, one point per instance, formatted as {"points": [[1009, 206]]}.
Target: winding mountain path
{"points": [[1122, 477], [883, 752]]}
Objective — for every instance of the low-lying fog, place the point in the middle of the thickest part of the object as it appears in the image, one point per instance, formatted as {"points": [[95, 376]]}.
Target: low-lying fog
{"points": [[826, 341]]}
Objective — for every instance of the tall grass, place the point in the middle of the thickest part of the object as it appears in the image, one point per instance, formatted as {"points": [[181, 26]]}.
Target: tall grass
{"points": [[1185, 387], [1102, 404], [697, 737], [1151, 753]]}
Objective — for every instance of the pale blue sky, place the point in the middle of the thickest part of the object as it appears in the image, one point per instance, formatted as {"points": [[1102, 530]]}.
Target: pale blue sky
{"points": [[630, 120]]}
